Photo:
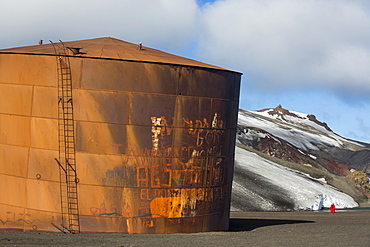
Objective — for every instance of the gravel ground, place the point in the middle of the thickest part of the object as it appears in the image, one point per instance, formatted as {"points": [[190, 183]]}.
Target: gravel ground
{"points": [[345, 228]]}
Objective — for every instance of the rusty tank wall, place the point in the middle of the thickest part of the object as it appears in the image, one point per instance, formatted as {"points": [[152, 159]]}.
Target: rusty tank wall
{"points": [[154, 145]]}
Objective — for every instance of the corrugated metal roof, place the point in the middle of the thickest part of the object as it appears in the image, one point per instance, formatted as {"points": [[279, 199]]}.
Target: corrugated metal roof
{"points": [[111, 48]]}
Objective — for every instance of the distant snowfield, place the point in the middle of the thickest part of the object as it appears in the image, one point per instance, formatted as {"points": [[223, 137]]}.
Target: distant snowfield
{"points": [[296, 189]]}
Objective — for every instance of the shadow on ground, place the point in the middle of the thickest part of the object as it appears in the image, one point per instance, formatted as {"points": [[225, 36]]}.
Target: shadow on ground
{"points": [[239, 225]]}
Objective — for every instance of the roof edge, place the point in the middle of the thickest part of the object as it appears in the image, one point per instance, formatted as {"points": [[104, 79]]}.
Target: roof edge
{"points": [[127, 60]]}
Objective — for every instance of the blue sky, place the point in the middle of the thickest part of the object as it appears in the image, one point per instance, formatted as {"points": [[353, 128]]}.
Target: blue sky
{"points": [[310, 56]]}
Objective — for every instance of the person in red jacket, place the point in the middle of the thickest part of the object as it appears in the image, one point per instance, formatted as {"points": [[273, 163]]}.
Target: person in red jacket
{"points": [[332, 208]]}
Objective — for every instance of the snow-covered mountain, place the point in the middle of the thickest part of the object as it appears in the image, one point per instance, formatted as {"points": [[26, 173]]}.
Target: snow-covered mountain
{"points": [[287, 160]]}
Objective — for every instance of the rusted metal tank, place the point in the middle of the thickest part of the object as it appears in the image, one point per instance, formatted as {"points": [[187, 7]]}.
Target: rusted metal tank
{"points": [[142, 142]]}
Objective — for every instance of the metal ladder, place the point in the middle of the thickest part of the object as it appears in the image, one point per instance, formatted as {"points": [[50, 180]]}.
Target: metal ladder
{"points": [[66, 139]]}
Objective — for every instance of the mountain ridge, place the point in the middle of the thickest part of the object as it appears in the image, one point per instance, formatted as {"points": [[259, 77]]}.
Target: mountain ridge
{"points": [[269, 130]]}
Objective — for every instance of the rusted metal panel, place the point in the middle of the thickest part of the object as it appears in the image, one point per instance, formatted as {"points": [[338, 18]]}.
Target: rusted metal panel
{"points": [[9, 185], [39, 165], [11, 95], [154, 144], [15, 155], [207, 83], [15, 130], [43, 132], [44, 96], [101, 106], [144, 107], [128, 76], [27, 69], [100, 138]]}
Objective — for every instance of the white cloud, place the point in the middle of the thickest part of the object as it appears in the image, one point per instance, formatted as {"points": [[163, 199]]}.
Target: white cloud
{"points": [[289, 43], [161, 23], [347, 66]]}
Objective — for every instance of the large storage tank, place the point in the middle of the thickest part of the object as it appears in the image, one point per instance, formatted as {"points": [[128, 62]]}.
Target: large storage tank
{"points": [[102, 136]]}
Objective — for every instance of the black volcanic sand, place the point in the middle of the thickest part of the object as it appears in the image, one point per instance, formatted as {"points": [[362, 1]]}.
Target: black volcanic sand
{"points": [[345, 228]]}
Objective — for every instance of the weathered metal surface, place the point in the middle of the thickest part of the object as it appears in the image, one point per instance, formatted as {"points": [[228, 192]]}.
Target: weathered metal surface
{"points": [[110, 48], [154, 141]]}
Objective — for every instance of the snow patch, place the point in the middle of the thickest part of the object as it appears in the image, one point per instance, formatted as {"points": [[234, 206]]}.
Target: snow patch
{"points": [[305, 192], [312, 156]]}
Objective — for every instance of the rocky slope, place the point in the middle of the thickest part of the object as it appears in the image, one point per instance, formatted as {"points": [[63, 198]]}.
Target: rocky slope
{"points": [[303, 143]]}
